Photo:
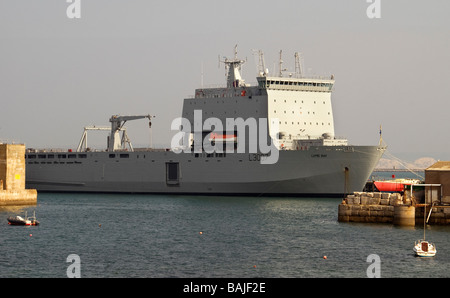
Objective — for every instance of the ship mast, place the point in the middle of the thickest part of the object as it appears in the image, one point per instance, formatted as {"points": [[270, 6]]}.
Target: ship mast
{"points": [[261, 65], [233, 67], [281, 69], [298, 65]]}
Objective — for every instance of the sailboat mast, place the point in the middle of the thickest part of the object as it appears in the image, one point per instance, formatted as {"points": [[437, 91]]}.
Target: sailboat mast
{"points": [[424, 212]]}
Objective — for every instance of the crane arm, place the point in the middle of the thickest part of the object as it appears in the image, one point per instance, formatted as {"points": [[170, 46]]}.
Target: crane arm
{"points": [[118, 118], [117, 122]]}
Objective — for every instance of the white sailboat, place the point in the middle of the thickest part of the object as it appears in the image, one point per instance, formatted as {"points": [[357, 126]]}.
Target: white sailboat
{"points": [[423, 248]]}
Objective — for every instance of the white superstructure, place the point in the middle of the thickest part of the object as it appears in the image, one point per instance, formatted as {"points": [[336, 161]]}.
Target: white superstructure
{"points": [[301, 105]]}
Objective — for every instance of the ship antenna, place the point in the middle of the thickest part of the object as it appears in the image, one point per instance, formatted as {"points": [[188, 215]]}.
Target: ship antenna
{"points": [[202, 76], [381, 138], [281, 64], [261, 67], [298, 65]]}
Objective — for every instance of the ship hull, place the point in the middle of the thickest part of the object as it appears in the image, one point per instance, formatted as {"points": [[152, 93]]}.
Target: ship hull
{"points": [[318, 171]]}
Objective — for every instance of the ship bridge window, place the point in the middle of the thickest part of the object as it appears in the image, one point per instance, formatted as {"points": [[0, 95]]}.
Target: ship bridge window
{"points": [[62, 156], [31, 156], [72, 156], [81, 156], [51, 156], [112, 155], [42, 156], [124, 155]]}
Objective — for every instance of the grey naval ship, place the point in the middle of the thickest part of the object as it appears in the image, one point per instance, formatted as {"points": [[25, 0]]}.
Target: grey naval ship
{"points": [[301, 157]]}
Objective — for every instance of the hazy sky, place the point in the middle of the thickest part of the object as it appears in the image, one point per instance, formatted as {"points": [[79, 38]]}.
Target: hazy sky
{"points": [[58, 75]]}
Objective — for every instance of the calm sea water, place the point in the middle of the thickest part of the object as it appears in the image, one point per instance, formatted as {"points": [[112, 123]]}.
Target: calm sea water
{"points": [[203, 236]]}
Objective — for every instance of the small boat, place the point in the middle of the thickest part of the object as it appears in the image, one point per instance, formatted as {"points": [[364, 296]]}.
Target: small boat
{"points": [[20, 221], [395, 185], [424, 248]]}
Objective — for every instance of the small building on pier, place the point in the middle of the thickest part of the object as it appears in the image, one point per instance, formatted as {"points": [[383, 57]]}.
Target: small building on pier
{"points": [[438, 173]]}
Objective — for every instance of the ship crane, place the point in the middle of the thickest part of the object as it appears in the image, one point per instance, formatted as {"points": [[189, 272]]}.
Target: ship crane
{"points": [[115, 142], [117, 122], [82, 146]]}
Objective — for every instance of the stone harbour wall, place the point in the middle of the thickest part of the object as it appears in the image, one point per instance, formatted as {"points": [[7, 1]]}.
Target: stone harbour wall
{"points": [[12, 177], [440, 215], [393, 208], [375, 207], [18, 197]]}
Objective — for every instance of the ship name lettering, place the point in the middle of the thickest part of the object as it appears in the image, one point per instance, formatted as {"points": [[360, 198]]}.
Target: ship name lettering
{"points": [[319, 155]]}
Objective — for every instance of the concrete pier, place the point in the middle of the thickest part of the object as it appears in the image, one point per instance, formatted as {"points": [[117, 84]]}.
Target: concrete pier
{"points": [[12, 177], [404, 215]]}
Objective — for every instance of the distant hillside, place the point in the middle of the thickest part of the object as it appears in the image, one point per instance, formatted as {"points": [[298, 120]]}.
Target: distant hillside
{"points": [[421, 163]]}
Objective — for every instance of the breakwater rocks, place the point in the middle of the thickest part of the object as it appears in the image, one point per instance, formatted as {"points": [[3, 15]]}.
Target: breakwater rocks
{"points": [[377, 207]]}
